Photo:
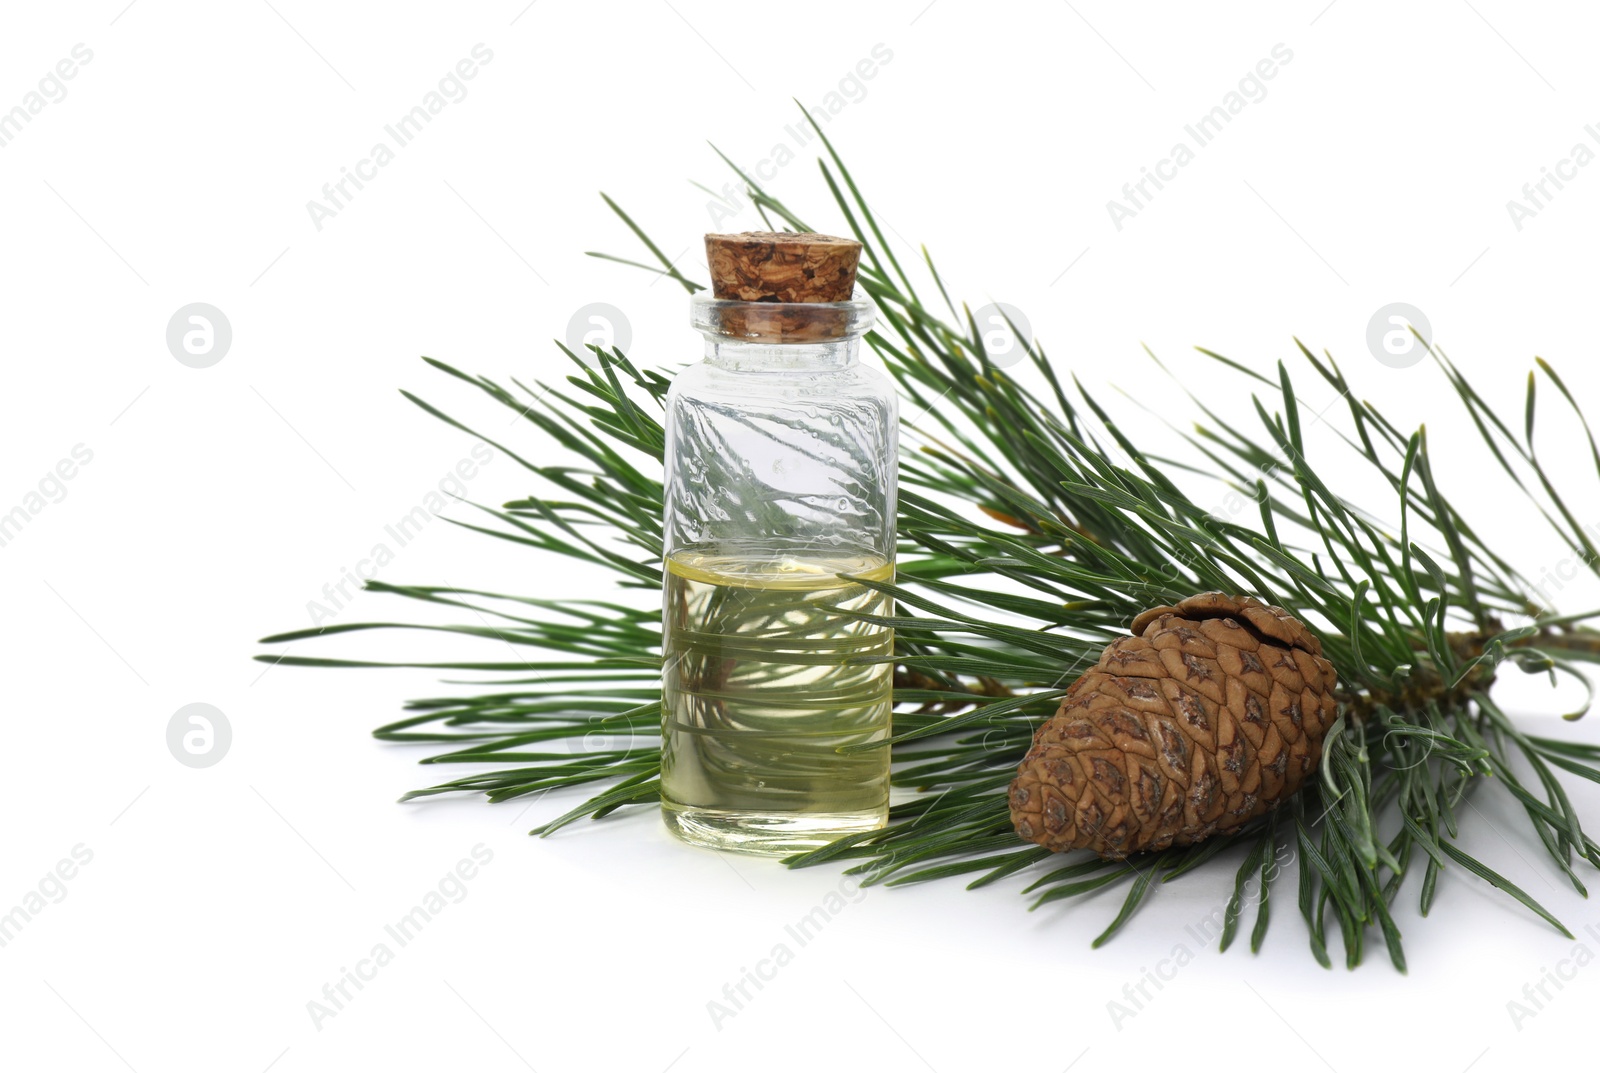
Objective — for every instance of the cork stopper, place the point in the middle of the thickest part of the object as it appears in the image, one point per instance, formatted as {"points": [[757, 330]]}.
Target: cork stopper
{"points": [[783, 288], [769, 266]]}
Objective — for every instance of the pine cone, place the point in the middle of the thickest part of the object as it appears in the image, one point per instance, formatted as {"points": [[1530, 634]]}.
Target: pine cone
{"points": [[1211, 714]]}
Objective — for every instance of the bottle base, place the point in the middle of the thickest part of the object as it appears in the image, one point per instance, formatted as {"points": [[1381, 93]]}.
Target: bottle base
{"points": [[776, 834]]}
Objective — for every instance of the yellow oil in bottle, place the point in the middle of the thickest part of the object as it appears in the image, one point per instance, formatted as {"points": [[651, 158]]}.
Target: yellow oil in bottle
{"points": [[765, 677]]}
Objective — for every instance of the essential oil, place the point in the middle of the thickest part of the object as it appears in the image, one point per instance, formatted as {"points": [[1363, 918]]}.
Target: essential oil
{"points": [[769, 678]]}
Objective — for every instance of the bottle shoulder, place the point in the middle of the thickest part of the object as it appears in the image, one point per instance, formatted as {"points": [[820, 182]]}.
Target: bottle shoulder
{"points": [[706, 380]]}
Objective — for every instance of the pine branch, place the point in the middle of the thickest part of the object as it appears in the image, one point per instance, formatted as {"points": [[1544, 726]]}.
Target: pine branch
{"points": [[1034, 527]]}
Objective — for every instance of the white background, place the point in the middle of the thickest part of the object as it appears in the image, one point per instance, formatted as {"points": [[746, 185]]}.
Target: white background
{"points": [[220, 501]]}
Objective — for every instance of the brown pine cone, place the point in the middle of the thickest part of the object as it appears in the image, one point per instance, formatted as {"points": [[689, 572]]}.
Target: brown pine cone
{"points": [[1209, 715]]}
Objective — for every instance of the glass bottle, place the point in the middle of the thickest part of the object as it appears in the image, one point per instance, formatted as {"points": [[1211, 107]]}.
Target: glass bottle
{"points": [[780, 501]]}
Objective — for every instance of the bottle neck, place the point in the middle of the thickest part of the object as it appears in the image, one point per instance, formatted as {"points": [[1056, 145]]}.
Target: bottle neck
{"points": [[746, 356], [781, 336]]}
